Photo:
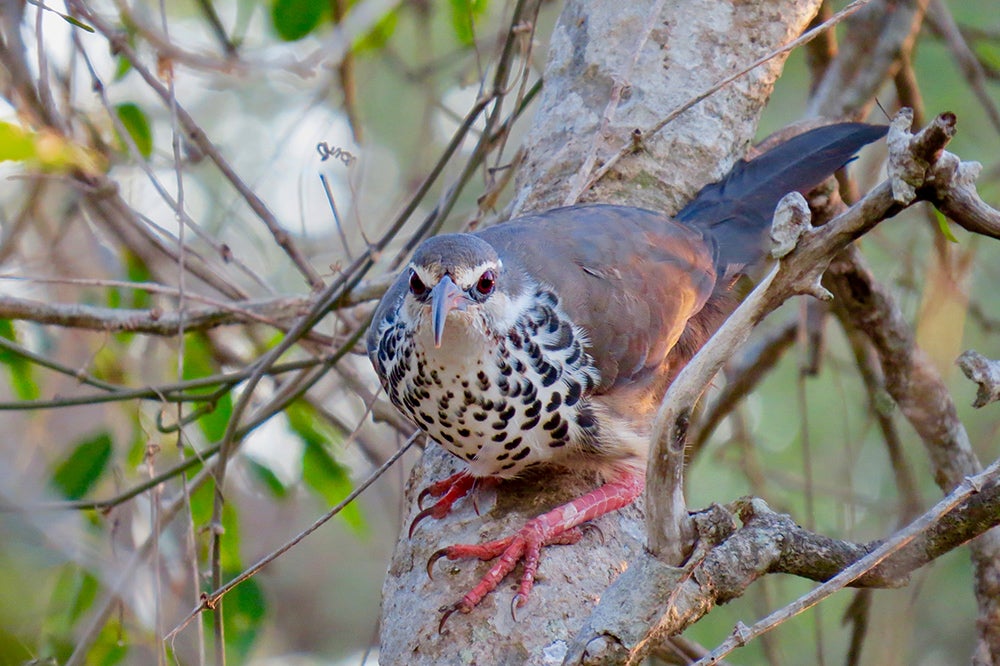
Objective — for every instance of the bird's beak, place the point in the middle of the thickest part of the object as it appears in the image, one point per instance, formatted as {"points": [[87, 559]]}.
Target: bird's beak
{"points": [[445, 297]]}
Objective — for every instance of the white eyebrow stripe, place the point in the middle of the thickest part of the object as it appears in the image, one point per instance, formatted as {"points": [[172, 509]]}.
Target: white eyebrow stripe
{"points": [[466, 277]]}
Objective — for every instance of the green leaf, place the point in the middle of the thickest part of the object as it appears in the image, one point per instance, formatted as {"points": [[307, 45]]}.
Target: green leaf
{"points": [[243, 612], [84, 466], [202, 506], [123, 67], [84, 594], [137, 125], [138, 271], [270, 480], [294, 19], [989, 53], [944, 227], [110, 647], [65, 17], [463, 15], [320, 471], [73, 21], [377, 37], [15, 143], [21, 370], [198, 363], [47, 149]]}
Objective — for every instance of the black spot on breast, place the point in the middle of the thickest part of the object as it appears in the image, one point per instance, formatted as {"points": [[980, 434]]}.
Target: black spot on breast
{"points": [[471, 455], [534, 409], [446, 436], [554, 402], [529, 393], [530, 423], [522, 454], [564, 338], [585, 419], [508, 413], [561, 431], [499, 437], [552, 422], [573, 392], [503, 456], [499, 425], [484, 381], [509, 465], [479, 416], [574, 356], [463, 432], [513, 444]]}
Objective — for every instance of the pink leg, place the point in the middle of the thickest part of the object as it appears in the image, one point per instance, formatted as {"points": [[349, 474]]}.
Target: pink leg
{"points": [[559, 526], [449, 490]]}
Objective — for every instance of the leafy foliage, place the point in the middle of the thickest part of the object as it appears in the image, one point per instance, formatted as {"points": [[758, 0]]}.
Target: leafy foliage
{"points": [[20, 370], [137, 125], [82, 469]]}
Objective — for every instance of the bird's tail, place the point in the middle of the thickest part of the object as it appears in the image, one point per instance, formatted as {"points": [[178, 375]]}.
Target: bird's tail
{"points": [[737, 210]]}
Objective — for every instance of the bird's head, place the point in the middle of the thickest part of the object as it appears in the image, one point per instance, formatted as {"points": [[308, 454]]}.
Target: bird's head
{"points": [[458, 277]]}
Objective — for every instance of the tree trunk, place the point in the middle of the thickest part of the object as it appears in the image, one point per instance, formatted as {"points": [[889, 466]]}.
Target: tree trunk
{"points": [[613, 67]]}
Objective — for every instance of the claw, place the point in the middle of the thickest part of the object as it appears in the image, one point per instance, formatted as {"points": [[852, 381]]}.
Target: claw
{"points": [[448, 611], [433, 560], [517, 602], [422, 496], [420, 516]]}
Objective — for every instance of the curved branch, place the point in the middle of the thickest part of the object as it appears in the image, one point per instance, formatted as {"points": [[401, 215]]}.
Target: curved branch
{"points": [[772, 543]]}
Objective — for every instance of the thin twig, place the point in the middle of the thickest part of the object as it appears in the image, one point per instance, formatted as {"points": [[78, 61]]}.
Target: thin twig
{"points": [[965, 491], [211, 600]]}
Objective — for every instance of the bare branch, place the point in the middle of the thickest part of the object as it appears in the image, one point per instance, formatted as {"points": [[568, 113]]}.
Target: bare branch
{"points": [[153, 321], [194, 133], [983, 371], [675, 598]]}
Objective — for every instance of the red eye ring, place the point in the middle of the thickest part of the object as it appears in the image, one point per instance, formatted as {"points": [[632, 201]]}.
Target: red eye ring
{"points": [[487, 282], [417, 286]]}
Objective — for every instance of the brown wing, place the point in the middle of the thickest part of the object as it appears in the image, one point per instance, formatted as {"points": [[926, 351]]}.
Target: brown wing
{"points": [[631, 278]]}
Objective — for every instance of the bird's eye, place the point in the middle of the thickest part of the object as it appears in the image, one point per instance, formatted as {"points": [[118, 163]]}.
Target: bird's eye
{"points": [[417, 286], [486, 283]]}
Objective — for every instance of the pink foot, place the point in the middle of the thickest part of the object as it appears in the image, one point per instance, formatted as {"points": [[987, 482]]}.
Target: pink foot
{"points": [[557, 527], [449, 490]]}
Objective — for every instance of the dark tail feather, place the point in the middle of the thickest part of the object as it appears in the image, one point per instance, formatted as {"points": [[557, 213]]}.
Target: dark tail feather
{"points": [[737, 211]]}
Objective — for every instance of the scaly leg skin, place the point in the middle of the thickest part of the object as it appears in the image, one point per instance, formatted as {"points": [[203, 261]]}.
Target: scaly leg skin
{"points": [[449, 490], [557, 527]]}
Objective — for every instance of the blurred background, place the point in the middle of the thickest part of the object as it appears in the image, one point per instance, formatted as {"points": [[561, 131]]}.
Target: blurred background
{"points": [[333, 114]]}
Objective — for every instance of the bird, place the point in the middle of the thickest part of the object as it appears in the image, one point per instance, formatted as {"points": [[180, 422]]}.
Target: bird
{"points": [[550, 339]]}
